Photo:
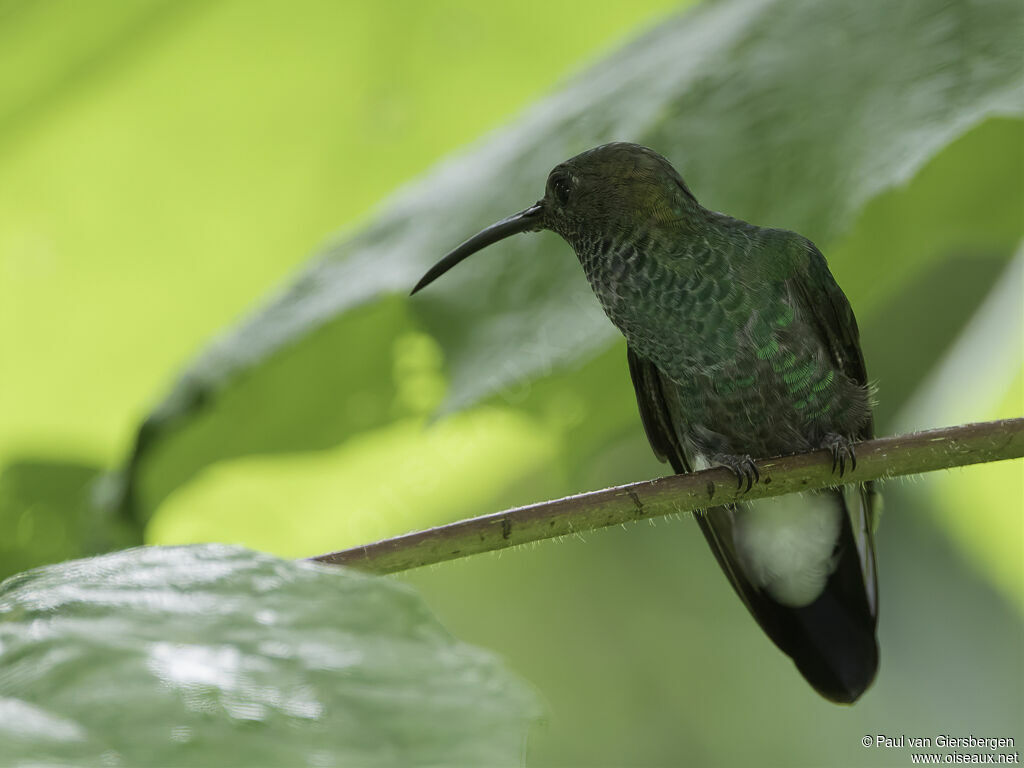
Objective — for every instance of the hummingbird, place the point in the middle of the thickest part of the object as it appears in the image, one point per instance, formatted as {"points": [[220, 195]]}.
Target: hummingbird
{"points": [[740, 345]]}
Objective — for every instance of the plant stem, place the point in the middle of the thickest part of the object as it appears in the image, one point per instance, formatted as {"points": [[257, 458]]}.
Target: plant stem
{"points": [[885, 457]]}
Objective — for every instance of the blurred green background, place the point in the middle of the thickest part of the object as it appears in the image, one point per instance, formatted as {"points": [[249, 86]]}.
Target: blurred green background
{"points": [[167, 166]]}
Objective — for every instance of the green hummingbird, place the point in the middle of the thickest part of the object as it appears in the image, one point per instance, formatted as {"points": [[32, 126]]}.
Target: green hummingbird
{"points": [[740, 344]]}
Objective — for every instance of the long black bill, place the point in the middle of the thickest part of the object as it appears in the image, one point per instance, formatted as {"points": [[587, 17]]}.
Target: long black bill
{"points": [[528, 220]]}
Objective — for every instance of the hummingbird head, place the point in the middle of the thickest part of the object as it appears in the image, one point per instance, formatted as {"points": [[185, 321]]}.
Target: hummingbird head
{"points": [[611, 192], [614, 191]]}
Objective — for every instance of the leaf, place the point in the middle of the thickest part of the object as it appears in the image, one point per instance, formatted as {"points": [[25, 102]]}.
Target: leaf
{"points": [[749, 99], [212, 655], [145, 207]]}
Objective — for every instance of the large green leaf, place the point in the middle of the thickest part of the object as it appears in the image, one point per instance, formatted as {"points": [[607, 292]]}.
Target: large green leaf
{"points": [[212, 655], [166, 162], [794, 114]]}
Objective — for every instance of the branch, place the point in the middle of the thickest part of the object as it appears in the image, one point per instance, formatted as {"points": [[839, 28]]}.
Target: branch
{"points": [[885, 457]]}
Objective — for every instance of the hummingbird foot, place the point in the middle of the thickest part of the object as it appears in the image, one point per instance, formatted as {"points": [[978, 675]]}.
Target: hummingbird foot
{"points": [[842, 452], [742, 466]]}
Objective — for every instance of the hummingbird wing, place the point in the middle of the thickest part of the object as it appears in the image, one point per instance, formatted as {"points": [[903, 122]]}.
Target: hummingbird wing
{"points": [[830, 640], [821, 300], [654, 413]]}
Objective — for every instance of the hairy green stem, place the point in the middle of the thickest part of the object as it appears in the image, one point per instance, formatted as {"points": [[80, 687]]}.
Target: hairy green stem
{"points": [[881, 458]]}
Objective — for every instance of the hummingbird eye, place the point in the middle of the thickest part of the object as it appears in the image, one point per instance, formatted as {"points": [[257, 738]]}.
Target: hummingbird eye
{"points": [[560, 187]]}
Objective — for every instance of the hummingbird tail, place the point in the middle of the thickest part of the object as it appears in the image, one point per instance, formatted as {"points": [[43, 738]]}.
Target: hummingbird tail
{"points": [[820, 609]]}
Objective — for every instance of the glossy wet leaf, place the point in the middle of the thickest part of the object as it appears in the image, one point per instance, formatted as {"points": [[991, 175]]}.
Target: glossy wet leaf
{"points": [[751, 103], [212, 655]]}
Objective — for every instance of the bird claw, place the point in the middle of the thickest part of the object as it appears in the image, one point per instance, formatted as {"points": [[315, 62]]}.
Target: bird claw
{"points": [[743, 467], [842, 451]]}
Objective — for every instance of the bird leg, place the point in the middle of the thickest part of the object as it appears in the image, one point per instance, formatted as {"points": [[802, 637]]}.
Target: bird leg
{"points": [[740, 465], [842, 451]]}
